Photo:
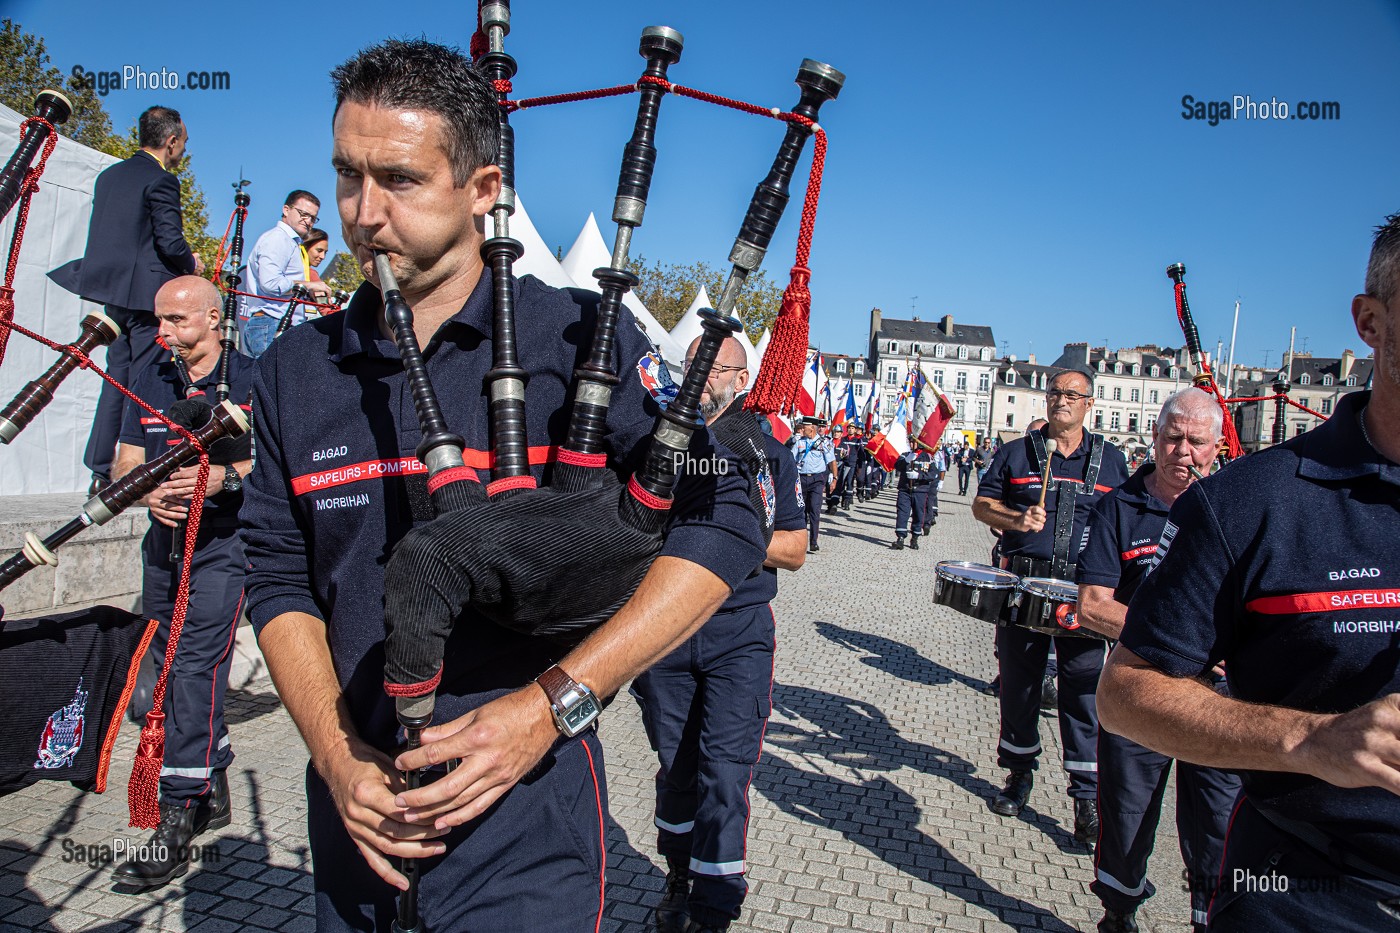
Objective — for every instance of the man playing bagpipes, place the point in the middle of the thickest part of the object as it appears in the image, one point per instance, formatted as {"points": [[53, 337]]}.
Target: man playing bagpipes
{"points": [[193, 782], [511, 839]]}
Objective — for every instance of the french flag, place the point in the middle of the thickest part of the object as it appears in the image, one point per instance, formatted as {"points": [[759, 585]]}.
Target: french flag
{"points": [[812, 380], [847, 412], [888, 445]]}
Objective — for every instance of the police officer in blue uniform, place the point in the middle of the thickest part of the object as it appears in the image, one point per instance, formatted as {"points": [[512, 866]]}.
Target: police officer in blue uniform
{"points": [[1120, 545], [816, 464], [705, 705], [193, 778], [915, 472], [1285, 568], [1044, 542], [510, 840]]}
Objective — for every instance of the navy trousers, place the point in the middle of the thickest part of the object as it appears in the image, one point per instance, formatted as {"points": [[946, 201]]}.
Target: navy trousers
{"points": [[1021, 657], [964, 477], [1132, 780], [813, 491], [196, 741], [930, 504], [909, 506], [134, 350], [705, 706], [533, 863], [1272, 881]]}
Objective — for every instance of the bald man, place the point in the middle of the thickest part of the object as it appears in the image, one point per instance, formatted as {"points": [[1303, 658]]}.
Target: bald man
{"points": [[705, 704], [193, 785]]}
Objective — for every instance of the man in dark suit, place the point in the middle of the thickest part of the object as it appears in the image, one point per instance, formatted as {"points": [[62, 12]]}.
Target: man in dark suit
{"points": [[135, 245]]}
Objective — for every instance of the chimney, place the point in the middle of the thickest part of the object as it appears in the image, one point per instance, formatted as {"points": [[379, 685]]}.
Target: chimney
{"points": [[1030, 358], [947, 325], [1077, 354], [1348, 359], [874, 322]]}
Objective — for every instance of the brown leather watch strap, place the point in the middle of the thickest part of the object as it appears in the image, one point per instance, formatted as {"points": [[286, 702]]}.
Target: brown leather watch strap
{"points": [[555, 684]]}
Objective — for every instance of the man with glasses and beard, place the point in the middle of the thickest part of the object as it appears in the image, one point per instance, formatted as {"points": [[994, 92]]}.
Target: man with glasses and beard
{"points": [[705, 704], [1044, 541]]}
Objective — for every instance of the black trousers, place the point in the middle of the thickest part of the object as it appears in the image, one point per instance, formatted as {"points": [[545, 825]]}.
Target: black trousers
{"points": [[134, 350], [964, 477], [1021, 656], [1132, 780], [909, 508], [1272, 881], [813, 490]]}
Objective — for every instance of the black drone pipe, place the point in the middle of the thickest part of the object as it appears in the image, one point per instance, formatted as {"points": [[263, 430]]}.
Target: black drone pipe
{"points": [[56, 109], [228, 324], [593, 381], [298, 297], [506, 379]]}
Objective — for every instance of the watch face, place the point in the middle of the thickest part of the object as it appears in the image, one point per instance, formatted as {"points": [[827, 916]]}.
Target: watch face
{"points": [[579, 716]]}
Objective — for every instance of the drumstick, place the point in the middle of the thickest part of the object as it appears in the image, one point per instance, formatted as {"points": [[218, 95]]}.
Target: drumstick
{"points": [[1050, 446]]}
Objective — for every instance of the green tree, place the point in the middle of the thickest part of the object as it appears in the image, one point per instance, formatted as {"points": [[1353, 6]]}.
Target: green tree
{"points": [[667, 289], [343, 272], [25, 70]]}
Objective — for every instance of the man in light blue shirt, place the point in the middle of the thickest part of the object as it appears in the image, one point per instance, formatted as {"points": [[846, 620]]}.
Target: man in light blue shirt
{"points": [[816, 466], [275, 267]]}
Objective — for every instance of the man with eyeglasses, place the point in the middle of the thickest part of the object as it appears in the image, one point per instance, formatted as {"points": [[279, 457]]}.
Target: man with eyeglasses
{"points": [[705, 705], [1044, 541], [276, 266]]}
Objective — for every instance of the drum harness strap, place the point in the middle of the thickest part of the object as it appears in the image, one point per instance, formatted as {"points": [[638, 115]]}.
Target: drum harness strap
{"points": [[1067, 494]]}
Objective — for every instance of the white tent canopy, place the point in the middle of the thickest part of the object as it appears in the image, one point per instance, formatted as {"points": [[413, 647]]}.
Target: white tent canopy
{"points": [[688, 327], [48, 456], [591, 252]]}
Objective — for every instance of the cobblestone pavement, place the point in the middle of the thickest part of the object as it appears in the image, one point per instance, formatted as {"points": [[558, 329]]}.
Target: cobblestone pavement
{"points": [[869, 806]]}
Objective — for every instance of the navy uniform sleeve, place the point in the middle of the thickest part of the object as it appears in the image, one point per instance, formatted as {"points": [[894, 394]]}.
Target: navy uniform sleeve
{"points": [[790, 515], [993, 485], [1182, 619], [1098, 563], [131, 433], [279, 570], [712, 522]]}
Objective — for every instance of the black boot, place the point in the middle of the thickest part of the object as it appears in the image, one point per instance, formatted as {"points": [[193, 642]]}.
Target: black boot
{"points": [[1015, 794], [695, 926], [1086, 823], [914, 542], [1049, 694], [168, 852], [670, 914], [1114, 922], [898, 544]]}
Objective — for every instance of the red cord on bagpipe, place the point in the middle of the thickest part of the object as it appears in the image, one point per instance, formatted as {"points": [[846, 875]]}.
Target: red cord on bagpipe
{"points": [[1205, 379], [779, 381], [143, 790]]}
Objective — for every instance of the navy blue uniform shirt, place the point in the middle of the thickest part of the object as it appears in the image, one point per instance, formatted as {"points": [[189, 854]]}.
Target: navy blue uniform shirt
{"points": [[915, 469], [1120, 540], [160, 387], [1286, 567], [781, 490], [1013, 480], [328, 497]]}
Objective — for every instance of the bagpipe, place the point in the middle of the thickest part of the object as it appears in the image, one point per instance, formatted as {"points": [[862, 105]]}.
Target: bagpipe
{"points": [[88, 659], [492, 551]]}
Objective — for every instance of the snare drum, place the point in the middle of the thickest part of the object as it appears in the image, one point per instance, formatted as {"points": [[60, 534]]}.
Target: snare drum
{"points": [[976, 590], [1041, 603]]}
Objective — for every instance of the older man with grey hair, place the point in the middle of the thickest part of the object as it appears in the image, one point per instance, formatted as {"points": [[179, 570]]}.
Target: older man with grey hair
{"points": [[1119, 550]]}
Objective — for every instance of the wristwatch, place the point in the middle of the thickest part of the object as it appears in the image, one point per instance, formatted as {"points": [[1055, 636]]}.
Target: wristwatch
{"points": [[232, 481], [574, 706]]}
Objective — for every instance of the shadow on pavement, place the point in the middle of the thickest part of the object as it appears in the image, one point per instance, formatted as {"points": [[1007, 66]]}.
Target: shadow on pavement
{"points": [[877, 813], [897, 658]]}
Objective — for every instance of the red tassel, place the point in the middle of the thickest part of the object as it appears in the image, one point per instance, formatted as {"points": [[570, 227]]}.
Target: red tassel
{"points": [[779, 381], [143, 793]]}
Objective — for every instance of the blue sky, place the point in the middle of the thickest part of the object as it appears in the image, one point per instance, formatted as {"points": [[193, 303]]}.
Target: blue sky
{"points": [[1022, 165]]}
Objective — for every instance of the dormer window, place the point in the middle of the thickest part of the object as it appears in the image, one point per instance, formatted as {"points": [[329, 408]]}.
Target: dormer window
{"points": [[1171, 373], [860, 368], [1351, 380], [1305, 380], [1327, 380], [962, 353], [918, 351], [1101, 366], [1011, 377], [1118, 369], [894, 346], [1137, 369], [841, 366], [986, 354], [940, 351], [1155, 372]]}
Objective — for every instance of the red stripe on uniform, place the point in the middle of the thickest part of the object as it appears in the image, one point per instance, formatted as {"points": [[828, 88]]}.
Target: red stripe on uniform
{"points": [[1098, 488], [1023, 480], [1325, 602], [401, 466], [1139, 551], [602, 842]]}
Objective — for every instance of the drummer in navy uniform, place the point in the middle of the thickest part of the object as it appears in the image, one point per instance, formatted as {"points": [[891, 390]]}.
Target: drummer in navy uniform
{"points": [[816, 467], [1044, 542], [1120, 545], [1285, 568]]}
